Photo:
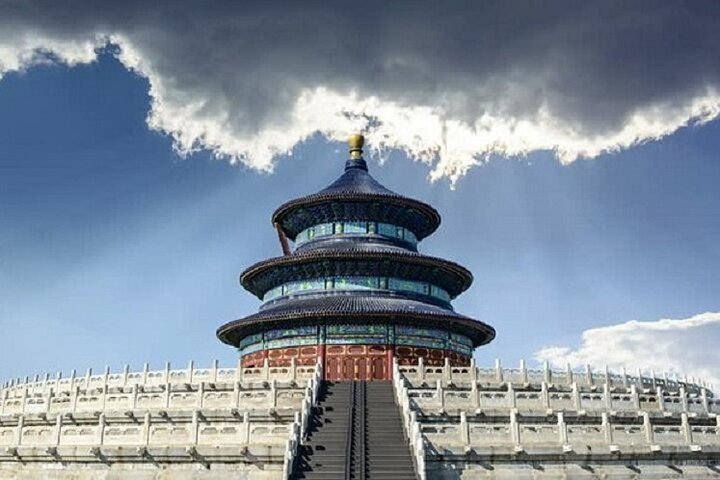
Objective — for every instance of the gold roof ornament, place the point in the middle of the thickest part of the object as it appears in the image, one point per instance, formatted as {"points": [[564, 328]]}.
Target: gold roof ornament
{"points": [[356, 142]]}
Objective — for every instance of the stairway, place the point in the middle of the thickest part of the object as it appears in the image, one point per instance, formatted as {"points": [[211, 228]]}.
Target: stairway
{"points": [[356, 432], [388, 451]]}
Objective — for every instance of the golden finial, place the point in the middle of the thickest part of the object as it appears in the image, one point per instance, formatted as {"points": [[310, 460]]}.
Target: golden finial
{"points": [[356, 142]]}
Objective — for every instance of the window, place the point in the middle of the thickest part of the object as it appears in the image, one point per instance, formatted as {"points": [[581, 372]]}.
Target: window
{"points": [[410, 236], [357, 228], [357, 283], [323, 229], [387, 230]]}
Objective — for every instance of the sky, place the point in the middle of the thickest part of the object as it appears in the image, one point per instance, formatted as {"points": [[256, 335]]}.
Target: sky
{"points": [[574, 163]]}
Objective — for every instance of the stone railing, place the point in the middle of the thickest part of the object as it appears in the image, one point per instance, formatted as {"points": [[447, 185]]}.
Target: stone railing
{"points": [[227, 421], [299, 428], [236, 395], [149, 378], [570, 432], [410, 423], [467, 415], [419, 373], [542, 397]]}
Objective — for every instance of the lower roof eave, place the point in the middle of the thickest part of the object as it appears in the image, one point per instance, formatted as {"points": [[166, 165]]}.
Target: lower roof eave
{"points": [[232, 332]]}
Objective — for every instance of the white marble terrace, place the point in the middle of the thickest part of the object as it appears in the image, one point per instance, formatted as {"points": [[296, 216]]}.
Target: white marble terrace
{"points": [[251, 417], [490, 421]]}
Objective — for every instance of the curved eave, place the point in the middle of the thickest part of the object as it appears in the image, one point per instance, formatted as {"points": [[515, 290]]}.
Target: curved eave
{"points": [[292, 226], [233, 332], [263, 276]]}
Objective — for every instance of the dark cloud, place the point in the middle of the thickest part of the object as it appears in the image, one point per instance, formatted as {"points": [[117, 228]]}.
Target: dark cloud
{"points": [[467, 78]]}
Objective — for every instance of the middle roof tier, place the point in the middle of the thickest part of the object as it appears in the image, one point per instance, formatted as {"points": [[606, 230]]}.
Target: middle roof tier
{"points": [[356, 260]]}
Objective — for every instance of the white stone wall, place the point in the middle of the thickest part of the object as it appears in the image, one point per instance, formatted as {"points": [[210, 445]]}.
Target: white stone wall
{"points": [[520, 423], [190, 423]]}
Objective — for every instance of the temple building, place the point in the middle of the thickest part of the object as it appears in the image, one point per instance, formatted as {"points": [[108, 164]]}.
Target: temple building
{"points": [[356, 366], [355, 292]]}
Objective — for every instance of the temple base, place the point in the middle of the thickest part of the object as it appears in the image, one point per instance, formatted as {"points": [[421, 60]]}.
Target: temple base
{"points": [[354, 362]]}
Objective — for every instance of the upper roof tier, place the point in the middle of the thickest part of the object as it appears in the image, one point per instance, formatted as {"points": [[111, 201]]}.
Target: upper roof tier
{"points": [[356, 195]]}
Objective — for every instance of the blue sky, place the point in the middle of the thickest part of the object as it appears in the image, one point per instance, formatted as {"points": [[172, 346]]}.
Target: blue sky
{"points": [[117, 250]]}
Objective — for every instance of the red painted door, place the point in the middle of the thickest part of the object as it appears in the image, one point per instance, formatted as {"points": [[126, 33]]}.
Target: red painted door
{"points": [[378, 368], [333, 367]]}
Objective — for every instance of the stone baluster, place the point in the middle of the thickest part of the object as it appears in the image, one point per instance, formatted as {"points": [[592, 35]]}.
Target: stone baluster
{"points": [[200, 394], [511, 399], [474, 395], [607, 394], [635, 397], [625, 377], [75, 397], [514, 428], [447, 371], [88, 375], [464, 430], [608, 380], [147, 425], [101, 429], [653, 379], [683, 398], [544, 395], [439, 394], [236, 394], [245, 429], [273, 393], [146, 370], [547, 373], [705, 400], [589, 375], [133, 395], [105, 389], [687, 431], [214, 371], [195, 427], [569, 374], [640, 382], [498, 371], [58, 430], [576, 396], [562, 429], [73, 376], [168, 391], [293, 369], [126, 373], [660, 399], [166, 374], [48, 402], [473, 371], [106, 374], [523, 372], [607, 428], [19, 431], [190, 371], [649, 438], [24, 399], [421, 369]]}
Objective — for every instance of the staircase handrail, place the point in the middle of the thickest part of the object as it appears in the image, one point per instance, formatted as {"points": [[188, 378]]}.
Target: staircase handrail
{"points": [[410, 423], [299, 428]]}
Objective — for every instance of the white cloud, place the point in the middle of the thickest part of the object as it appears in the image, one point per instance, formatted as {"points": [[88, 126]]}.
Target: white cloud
{"points": [[450, 86], [686, 346]]}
